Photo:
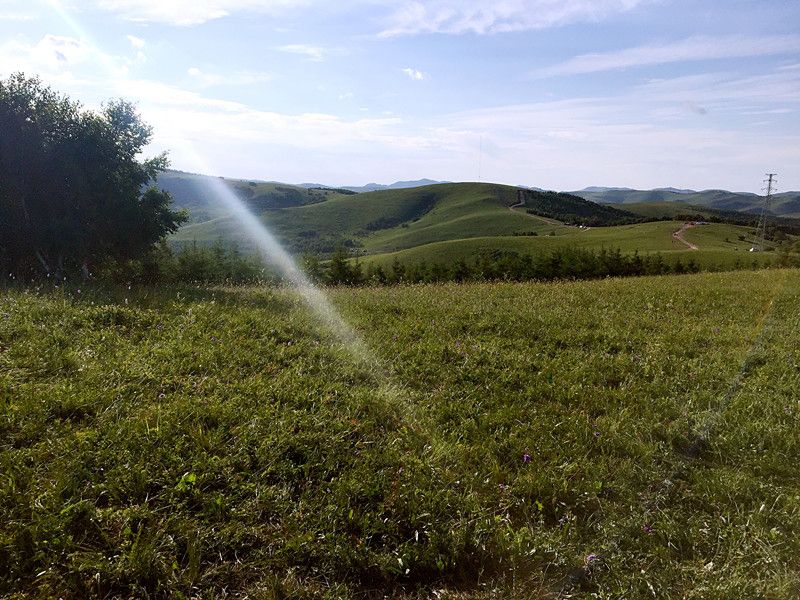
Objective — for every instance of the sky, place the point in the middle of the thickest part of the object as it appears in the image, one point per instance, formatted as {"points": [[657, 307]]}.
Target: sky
{"points": [[557, 94]]}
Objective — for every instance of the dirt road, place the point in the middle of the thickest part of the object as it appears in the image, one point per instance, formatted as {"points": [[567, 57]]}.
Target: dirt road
{"points": [[678, 235]]}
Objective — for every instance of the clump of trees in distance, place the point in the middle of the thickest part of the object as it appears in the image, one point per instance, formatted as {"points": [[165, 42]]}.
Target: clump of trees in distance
{"points": [[569, 208], [73, 191], [502, 265]]}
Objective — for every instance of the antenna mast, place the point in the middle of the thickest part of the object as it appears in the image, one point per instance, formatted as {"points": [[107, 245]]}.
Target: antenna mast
{"points": [[480, 158], [761, 228]]}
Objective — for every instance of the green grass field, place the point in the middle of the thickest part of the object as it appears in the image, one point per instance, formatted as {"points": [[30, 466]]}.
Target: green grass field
{"points": [[619, 438], [385, 220], [449, 222], [719, 245]]}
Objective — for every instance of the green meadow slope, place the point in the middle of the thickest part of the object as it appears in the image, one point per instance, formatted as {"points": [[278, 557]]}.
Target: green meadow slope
{"points": [[390, 219], [719, 245], [192, 193], [625, 438], [448, 222], [785, 204]]}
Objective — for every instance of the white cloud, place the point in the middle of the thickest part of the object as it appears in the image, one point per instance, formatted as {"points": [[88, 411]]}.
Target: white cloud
{"points": [[236, 78], [190, 12], [52, 54], [136, 42], [725, 89], [16, 16], [693, 48], [484, 17], [315, 53], [406, 17], [414, 74]]}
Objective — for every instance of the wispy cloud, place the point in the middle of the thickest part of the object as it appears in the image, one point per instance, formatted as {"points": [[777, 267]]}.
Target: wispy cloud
{"points": [[51, 54], [136, 42], [689, 49], [314, 53], [16, 16], [205, 79], [414, 74], [191, 12], [482, 17], [58, 58]]}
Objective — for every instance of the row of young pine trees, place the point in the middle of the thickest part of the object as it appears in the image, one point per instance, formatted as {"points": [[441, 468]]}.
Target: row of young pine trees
{"points": [[221, 264]]}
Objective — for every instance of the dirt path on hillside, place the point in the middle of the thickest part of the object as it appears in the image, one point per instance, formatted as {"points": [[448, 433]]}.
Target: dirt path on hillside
{"points": [[678, 235]]}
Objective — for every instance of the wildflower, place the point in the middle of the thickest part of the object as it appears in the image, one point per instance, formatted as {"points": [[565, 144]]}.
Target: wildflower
{"points": [[647, 528], [590, 559], [526, 458]]}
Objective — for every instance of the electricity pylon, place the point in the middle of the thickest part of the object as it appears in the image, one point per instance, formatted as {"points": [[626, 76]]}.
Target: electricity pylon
{"points": [[761, 228]]}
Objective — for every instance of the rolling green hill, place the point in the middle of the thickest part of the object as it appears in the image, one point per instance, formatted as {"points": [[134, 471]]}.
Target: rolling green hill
{"points": [[719, 245], [786, 204], [389, 220], [452, 221], [192, 192]]}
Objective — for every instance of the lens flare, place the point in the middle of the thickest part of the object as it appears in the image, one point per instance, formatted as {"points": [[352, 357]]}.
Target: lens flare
{"points": [[269, 249], [273, 253]]}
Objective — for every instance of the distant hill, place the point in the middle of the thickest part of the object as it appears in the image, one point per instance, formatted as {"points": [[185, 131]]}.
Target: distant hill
{"points": [[445, 221], [192, 192], [786, 204], [388, 220], [397, 185], [374, 187]]}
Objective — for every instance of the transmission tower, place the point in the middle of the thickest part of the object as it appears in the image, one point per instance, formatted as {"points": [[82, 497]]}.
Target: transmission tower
{"points": [[761, 228]]}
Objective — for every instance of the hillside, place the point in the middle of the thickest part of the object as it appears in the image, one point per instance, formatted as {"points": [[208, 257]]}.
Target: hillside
{"points": [[617, 438], [454, 221], [393, 219], [191, 192], [786, 204], [720, 246]]}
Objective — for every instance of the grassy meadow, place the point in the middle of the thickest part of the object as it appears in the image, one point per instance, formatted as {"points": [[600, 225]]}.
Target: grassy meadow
{"points": [[719, 245], [627, 438], [446, 223]]}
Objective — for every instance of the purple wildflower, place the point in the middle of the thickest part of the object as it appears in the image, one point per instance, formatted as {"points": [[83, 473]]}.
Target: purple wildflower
{"points": [[526, 458], [647, 528], [590, 559]]}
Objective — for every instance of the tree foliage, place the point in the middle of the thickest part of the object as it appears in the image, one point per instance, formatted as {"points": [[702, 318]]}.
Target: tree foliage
{"points": [[73, 192]]}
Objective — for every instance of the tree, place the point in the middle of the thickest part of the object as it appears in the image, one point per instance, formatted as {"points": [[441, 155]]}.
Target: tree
{"points": [[73, 193]]}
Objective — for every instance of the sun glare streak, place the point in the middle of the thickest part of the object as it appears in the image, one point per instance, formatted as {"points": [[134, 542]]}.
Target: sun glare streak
{"points": [[269, 249], [273, 253]]}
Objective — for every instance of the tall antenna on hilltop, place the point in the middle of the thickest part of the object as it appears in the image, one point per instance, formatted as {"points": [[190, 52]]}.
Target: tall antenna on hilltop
{"points": [[761, 228], [480, 158]]}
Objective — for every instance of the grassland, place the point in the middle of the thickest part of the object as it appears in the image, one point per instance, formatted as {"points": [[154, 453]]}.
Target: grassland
{"points": [[386, 220], [191, 192], [719, 244], [448, 222], [785, 204], [619, 438]]}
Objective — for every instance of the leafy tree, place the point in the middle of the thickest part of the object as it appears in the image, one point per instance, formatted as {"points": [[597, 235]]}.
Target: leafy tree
{"points": [[73, 193]]}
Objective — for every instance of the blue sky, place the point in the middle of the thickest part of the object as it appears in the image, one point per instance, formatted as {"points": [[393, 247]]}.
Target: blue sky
{"points": [[557, 94]]}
